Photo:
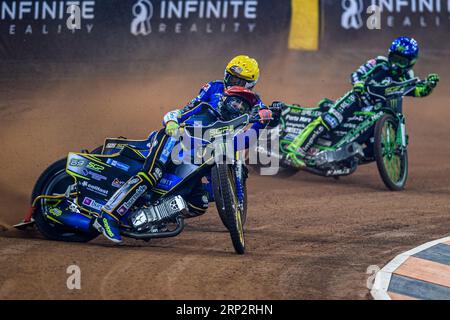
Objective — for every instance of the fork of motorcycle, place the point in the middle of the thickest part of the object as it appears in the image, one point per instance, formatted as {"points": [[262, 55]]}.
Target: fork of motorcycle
{"points": [[402, 137], [239, 176]]}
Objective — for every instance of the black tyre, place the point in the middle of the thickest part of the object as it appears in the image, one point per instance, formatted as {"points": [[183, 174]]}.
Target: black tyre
{"points": [[55, 180], [392, 161], [219, 200], [288, 172], [97, 150], [223, 179], [244, 212]]}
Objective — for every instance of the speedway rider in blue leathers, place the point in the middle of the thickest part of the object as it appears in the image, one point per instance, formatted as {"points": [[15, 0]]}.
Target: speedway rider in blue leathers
{"points": [[398, 66], [231, 98]]}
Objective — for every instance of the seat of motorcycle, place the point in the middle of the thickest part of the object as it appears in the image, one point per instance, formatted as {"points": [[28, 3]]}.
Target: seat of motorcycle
{"points": [[132, 153]]}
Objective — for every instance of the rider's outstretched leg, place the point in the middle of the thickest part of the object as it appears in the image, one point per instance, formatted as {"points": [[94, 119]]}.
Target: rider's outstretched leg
{"points": [[327, 122], [303, 142], [138, 185]]}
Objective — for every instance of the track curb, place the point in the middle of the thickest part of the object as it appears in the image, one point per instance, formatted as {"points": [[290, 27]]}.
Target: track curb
{"points": [[383, 284]]}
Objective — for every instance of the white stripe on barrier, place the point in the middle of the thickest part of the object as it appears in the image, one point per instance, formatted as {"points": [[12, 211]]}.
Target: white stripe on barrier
{"points": [[383, 277]]}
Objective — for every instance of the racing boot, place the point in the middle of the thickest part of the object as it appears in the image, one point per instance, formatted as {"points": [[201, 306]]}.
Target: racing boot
{"points": [[300, 146], [119, 204], [108, 225], [296, 160]]}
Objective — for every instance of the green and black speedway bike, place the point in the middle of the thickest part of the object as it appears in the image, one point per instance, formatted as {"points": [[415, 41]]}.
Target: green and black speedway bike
{"points": [[376, 133]]}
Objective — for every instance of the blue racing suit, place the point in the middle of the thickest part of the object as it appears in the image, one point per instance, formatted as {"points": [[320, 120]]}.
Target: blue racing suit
{"points": [[210, 93], [161, 147]]}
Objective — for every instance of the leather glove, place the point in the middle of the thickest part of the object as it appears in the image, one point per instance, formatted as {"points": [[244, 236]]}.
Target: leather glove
{"points": [[172, 128], [277, 105], [432, 80], [359, 87], [277, 108], [265, 115]]}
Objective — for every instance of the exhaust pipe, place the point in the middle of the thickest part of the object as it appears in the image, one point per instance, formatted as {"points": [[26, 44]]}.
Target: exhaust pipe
{"points": [[158, 235]]}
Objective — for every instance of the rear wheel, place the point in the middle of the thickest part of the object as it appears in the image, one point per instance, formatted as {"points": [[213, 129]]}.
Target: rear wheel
{"points": [[97, 150], [54, 181], [392, 160], [232, 215]]}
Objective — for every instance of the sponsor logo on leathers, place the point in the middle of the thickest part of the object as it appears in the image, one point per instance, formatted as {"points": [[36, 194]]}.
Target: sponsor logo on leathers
{"points": [[127, 205], [92, 203], [120, 194], [94, 188]]}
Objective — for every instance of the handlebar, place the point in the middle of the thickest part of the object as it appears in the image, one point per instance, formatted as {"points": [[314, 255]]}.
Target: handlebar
{"points": [[259, 119], [275, 111]]}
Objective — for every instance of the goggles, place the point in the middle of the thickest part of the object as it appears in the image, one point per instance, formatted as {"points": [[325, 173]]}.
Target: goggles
{"points": [[232, 80], [400, 61]]}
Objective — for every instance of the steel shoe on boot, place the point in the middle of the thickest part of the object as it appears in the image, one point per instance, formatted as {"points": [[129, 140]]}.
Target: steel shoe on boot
{"points": [[296, 160], [109, 227]]}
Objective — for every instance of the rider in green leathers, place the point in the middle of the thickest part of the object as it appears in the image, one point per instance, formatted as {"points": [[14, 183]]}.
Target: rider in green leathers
{"points": [[403, 54]]}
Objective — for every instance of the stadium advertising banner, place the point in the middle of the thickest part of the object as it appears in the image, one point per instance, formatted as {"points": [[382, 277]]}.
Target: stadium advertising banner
{"points": [[373, 23], [135, 29]]}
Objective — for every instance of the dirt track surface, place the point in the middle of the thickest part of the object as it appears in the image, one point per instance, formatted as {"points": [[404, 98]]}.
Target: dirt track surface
{"points": [[307, 237]]}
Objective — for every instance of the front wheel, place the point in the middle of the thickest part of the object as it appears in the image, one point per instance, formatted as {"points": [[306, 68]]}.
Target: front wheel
{"points": [[224, 182], [391, 157]]}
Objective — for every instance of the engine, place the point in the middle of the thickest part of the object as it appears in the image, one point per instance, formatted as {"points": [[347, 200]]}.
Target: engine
{"points": [[166, 210], [344, 153]]}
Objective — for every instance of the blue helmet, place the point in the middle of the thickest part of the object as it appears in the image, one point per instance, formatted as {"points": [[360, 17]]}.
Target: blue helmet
{"points": [[403, 53]]}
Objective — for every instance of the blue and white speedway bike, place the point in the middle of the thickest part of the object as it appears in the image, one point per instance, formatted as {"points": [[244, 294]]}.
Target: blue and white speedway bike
{"points": [[71, 192]]}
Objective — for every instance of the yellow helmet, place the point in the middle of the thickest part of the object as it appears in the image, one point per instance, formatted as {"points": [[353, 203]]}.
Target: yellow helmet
{"points": [[242, 71]]}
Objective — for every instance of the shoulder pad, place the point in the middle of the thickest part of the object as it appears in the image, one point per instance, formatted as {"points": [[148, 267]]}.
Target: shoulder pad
{"points": [[217, 82], [376, 61], [382, 60], [205, 87], [214, 85]]}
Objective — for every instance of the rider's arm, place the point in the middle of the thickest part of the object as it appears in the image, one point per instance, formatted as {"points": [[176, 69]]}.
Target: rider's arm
{"points": [[363, 72], [172, 116], [422, 89], [191, 108]]}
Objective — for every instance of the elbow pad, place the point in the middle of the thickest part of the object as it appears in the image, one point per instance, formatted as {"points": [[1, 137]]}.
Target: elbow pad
{"points": [[172, 116]]}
